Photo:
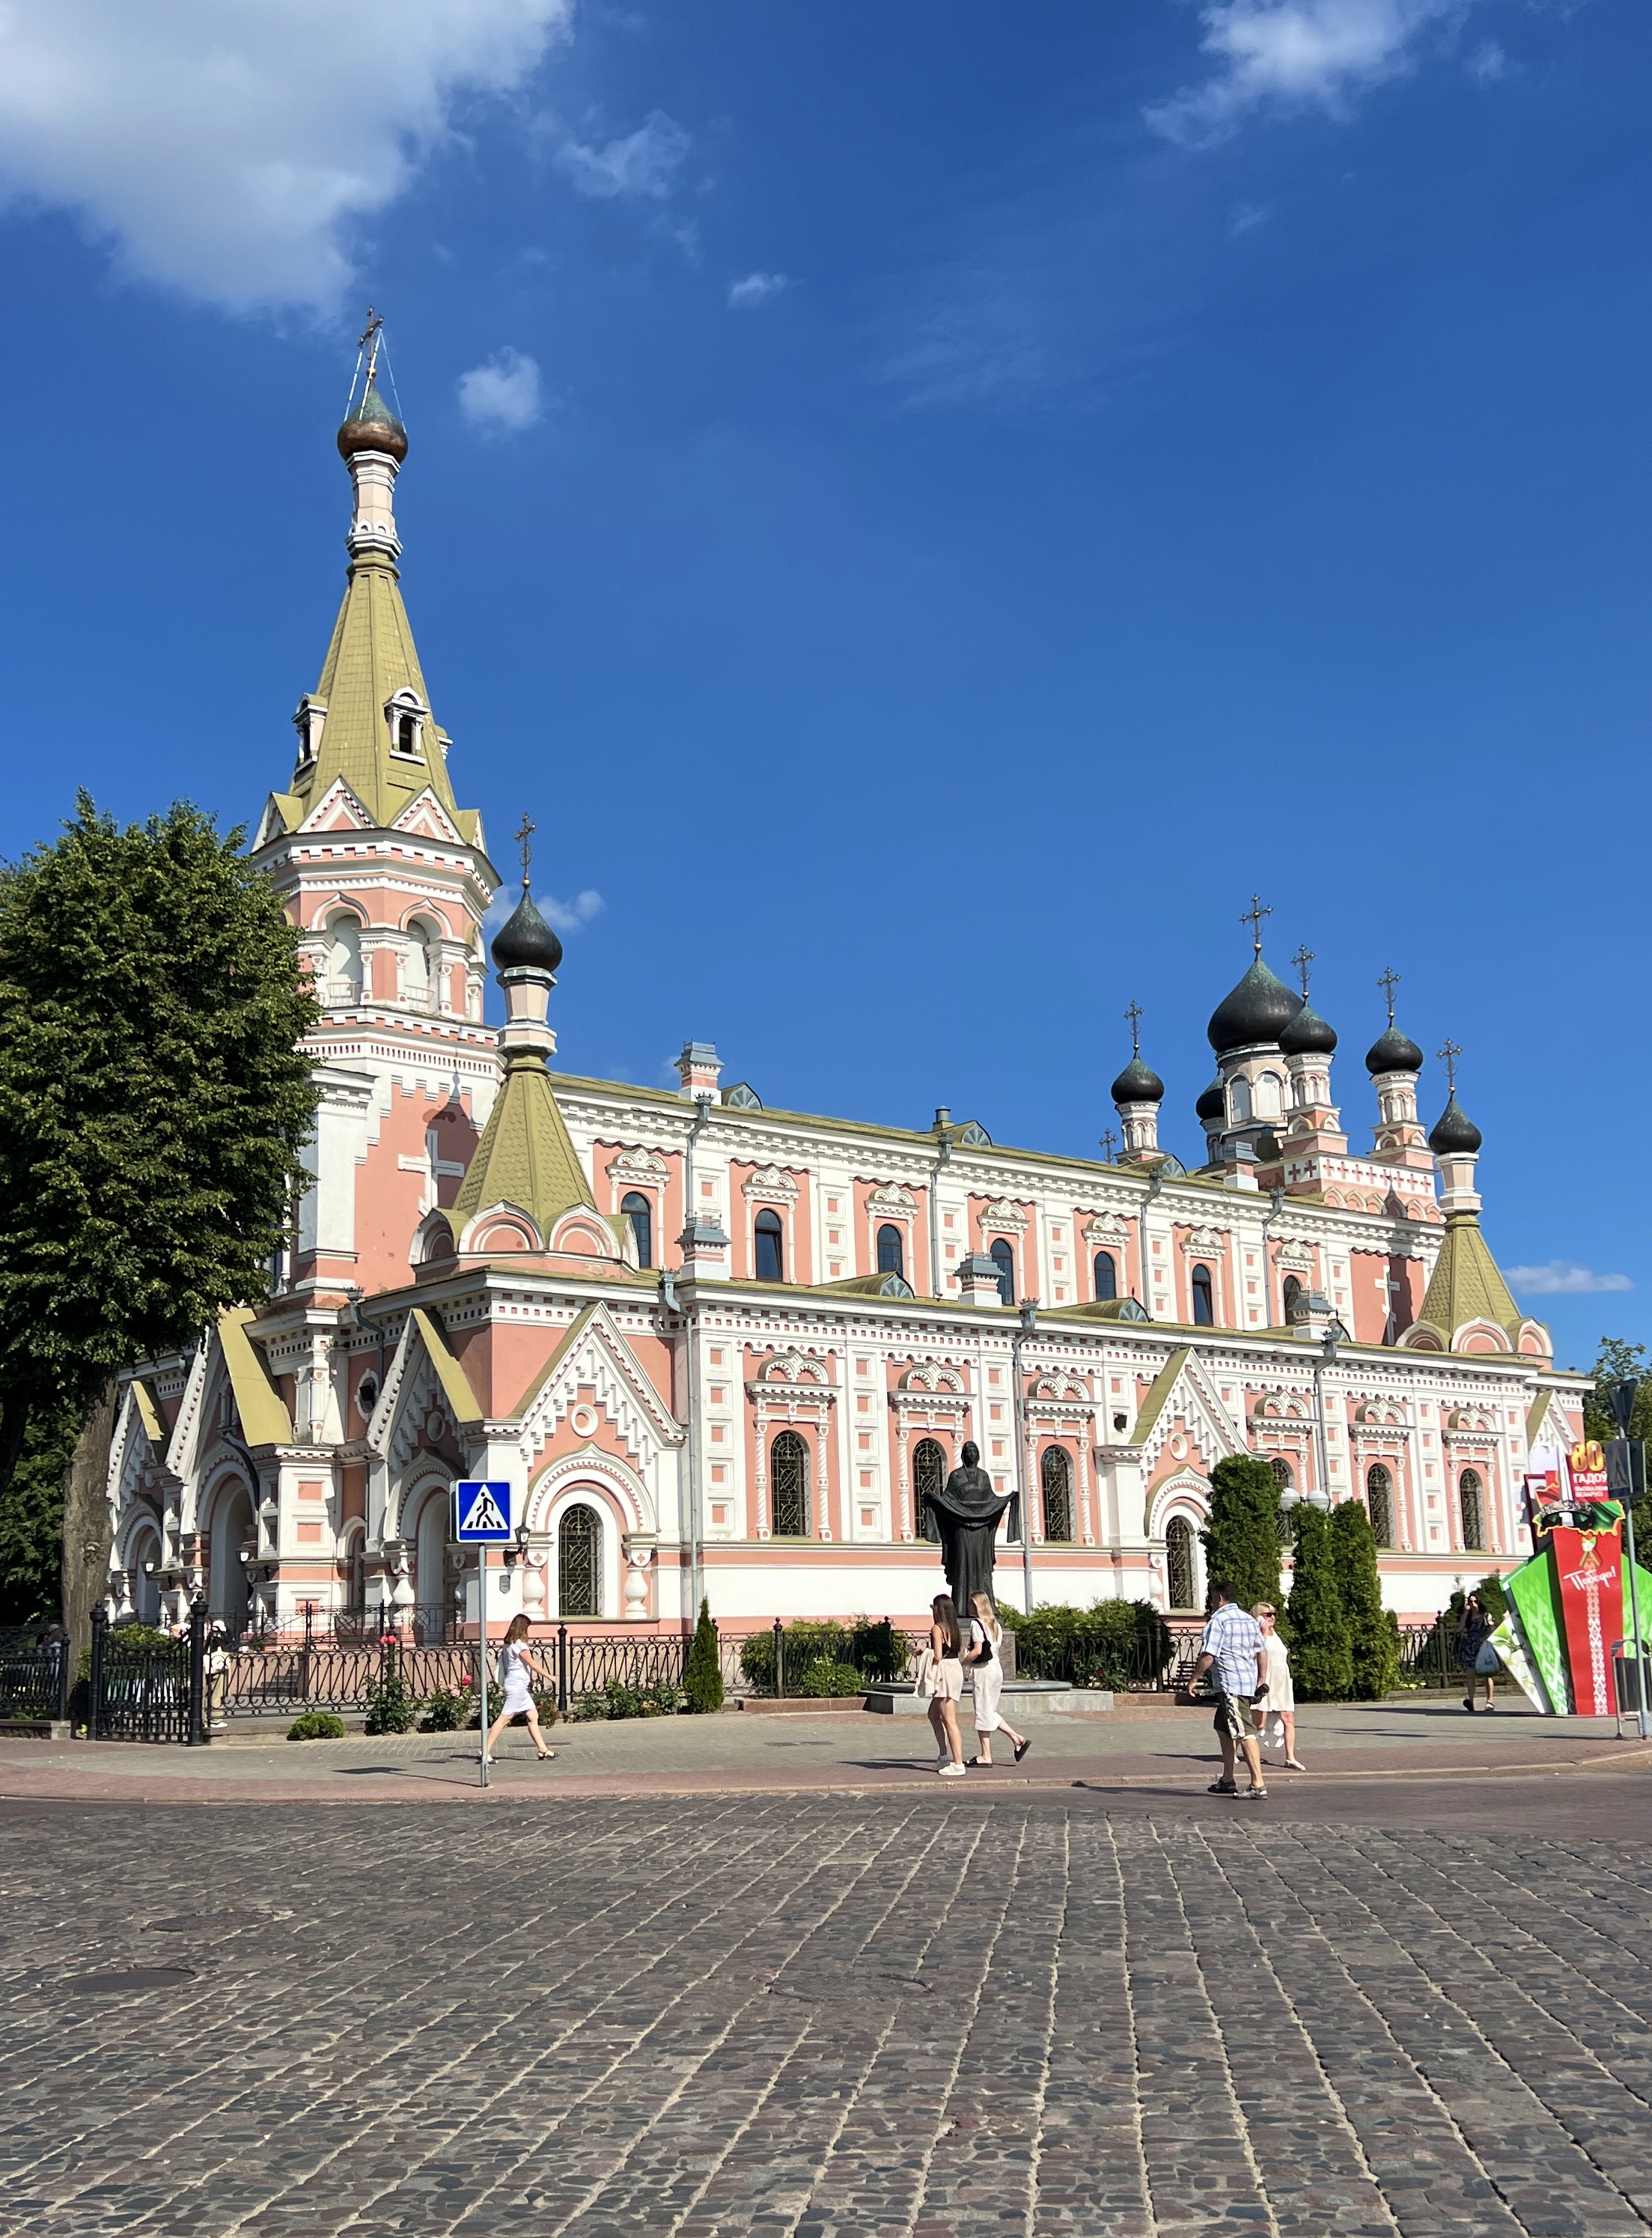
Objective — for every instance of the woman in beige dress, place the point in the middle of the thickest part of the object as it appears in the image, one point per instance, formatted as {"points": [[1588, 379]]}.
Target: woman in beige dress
{"points": [[946, 1644], [1280, 1700]]}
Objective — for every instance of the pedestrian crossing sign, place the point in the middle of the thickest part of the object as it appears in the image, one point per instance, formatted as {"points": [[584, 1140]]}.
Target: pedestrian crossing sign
{"points": [[482, 1514]]}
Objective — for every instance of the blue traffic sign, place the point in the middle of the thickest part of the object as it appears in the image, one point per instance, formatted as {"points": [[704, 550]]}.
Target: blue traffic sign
{"points": [[482, 1514]]}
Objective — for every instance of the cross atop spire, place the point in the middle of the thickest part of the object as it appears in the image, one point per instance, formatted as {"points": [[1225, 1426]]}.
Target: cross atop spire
{"points": [[1388, 981], [1109, 1144], [1253, 918], [1303, 957], [1448, 1055], [1132, 1018], [524, 833], [369, 340]]}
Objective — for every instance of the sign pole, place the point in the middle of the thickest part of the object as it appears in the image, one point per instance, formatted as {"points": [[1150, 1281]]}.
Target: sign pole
{"points": [[481, 1648], [482, 1518]]}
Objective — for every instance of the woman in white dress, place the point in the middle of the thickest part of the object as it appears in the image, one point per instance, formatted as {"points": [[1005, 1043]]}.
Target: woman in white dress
{"points": [[516, 1667], [1280, 1700], [986, 1671]]}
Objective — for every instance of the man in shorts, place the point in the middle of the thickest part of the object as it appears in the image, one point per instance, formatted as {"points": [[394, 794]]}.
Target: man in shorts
{"points": [[1232, 1652]]}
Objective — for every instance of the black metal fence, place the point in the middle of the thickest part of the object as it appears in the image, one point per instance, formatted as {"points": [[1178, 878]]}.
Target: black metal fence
{"points": [[1428, 1655], [35, 1673], [145, 1688]]}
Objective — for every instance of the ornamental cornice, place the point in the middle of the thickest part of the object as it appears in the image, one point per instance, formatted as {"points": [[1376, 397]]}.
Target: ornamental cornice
{"points": [[772, 1184], [1008, 1219], [1207, 1242], [920, 1401], [1108, 1228], [891, 1201], [639, 1165]]}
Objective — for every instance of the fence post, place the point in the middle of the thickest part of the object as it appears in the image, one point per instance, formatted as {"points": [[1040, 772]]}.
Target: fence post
{"points": [[780, 1660], [304, 1660], [562, 1670], [94, 1700], [197, 1732], [65, 1678]]}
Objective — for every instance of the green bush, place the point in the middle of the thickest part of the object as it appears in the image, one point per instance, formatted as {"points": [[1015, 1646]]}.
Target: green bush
{"points": [[616, 1700], [757, 1662], [316, 1725], [128, 1636], [1113, 1645], [702, 1680], [391, 1708], [826, 1681], [1242, 1540], [446, 1713], [877, 1650], [1322, 1664], [1374, 1631]]}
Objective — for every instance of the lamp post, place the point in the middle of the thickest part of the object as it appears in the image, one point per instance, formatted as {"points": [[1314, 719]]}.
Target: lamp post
{"points": [[1629, 1455], [1027, 1324]]}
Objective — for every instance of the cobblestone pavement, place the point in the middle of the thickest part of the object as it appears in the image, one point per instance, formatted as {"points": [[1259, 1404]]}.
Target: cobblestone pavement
{"points": [[825, 2015]]}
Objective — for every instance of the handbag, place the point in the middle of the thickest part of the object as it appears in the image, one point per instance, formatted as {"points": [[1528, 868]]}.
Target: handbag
{"points": [[1488, 1662], [923, 1683]]}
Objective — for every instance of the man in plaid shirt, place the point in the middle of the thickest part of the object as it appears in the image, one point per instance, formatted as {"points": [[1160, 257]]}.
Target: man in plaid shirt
{"points": [[1232, 1651]]}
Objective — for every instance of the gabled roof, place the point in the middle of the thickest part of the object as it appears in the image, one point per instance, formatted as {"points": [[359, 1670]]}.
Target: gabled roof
{"points": [[462, 1402], [1466, 1285], [264, 1418], [526, 1158]]}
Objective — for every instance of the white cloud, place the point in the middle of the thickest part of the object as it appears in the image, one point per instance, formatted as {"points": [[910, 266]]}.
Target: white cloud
{"points": [[756, 288], [1295, 53], [1244, 217], [572, 916], [226, 150], [642, 165], [1560, 1279], [502, 397], [1488, 63]]}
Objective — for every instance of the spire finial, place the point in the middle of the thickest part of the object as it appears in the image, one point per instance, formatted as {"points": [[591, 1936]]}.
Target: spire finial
{"points": [[368, 341], [1132, 1018], [1109, 1144], [525, 831], [1253, 918], [1303, 957], [1448, 1055], [1388, 981]]}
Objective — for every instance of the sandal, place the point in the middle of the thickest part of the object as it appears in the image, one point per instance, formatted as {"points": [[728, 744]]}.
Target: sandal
{"points": [[1256, 1795], [1222, 1787], [1022, 1748]]}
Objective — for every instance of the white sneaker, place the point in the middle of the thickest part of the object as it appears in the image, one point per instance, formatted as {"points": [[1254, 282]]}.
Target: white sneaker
{"points": [[951, 1770]]}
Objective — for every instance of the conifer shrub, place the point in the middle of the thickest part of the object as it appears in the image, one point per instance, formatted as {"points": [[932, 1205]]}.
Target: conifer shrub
{"points": [[1374, 1631], [1322, 1664], [316, 1725], [702, 1680], [1242, 1538]]}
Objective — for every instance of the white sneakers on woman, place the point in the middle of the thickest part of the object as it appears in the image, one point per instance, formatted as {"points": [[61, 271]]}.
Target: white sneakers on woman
{"points": [[950, 1771]]}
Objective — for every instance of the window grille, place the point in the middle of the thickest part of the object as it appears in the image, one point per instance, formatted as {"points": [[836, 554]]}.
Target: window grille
{"points": [[1178, 1563], [1379, 1498], [579, 1563], [1055, 1480], [928, 1475], [789, 1486], [1471, 1501]]}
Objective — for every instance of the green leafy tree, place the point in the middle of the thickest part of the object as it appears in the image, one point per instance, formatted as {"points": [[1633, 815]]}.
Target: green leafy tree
{"points": [[153, 1103], [1322, 1664], [1373, 1633], [1615, 1361], [1242, 1540], [31, 1517], [702, 1680]]}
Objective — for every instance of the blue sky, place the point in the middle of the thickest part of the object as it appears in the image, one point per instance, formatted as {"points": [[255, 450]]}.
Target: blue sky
{"points": [[929, 506]]}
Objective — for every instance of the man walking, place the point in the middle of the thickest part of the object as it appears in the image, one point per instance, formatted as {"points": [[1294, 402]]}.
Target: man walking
{"points": [[1234, 1651]]}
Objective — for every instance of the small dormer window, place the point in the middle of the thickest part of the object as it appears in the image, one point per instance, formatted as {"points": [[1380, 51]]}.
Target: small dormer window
{"points": [[308, 722], [407, 719]]}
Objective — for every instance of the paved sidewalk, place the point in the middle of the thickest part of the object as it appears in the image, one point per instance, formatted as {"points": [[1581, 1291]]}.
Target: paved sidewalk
{"points": [[1403, 1739], [825, 2017]]}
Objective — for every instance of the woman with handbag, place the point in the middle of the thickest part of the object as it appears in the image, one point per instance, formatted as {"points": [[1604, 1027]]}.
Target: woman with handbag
{"points": [[1278, 1695], [1478, 1624], [986, 1676], [946, 1685]]}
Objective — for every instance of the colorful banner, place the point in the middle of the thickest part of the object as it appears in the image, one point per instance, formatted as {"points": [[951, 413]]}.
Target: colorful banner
{"points": [[1588, 1571], [1534, 1603], [1568, 1608]]}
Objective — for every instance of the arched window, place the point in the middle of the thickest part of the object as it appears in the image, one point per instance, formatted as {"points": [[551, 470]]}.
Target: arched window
{"points": [[1056, 1482], [1293, 1292], [1379, 1498], [1471, 1501], [579, 1562], [1203, 1299], [344, 960], [769, 1237], [640, 1213], [430, 1569], [1265, 1102], [421, 967], [1283, 1474], [1003, 1257], [1106, 1275], [437, 1245], [1178, 1563], [891, 1251], [789, 1486], [928, 1475], [406, 734]]}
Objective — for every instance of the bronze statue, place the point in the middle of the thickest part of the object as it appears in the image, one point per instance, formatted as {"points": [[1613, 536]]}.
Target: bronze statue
{"points": [[966, 1509]]}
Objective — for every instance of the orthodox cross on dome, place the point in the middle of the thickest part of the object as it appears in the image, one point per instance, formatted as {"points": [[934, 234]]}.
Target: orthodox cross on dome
{"points": [[525, 831], [1109, 1142], [1132, 1018], [1253, 918], [371, 335], [1303, 957], [1448, 1057], [1388, 981]]}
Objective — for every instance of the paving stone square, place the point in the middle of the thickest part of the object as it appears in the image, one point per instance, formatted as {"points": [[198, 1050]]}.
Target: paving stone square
{"points": [[827, 2015]]}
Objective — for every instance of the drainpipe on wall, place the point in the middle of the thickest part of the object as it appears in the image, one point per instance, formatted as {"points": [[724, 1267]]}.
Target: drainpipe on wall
{"points": [[1327, 1358], [1276, 1205], [1154, 1184], [668, 1291], [1027, 1324]]}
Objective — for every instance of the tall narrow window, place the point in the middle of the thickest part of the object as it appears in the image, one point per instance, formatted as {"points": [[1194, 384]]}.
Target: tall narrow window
{"points": [[891, 1250], [789, 1486], [1056, 1482], [1293, 1292], [1178, 1563], [1471, 1499], [344, 960], [928, 1475], [769, 1238], [640, 1214], [1003, 1257], [1379, 1498], [579, 1562], [1203, 1299], [406, 734], [1280, 1469], [1106, 1275]]}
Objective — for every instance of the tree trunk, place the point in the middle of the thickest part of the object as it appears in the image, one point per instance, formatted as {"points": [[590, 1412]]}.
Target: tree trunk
{"points": [[88, 1534]]}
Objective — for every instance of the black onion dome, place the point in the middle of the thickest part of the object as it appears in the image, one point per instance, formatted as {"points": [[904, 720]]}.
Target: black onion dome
{"points": [[1394, 1051], [1138, 1083], [525, 940], [1453, 1130], [1212, 1104], [373, 427], [1308, 1034], [1259, 1009]]}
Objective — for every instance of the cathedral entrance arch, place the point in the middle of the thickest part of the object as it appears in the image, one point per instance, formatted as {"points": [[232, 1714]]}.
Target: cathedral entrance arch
{"points": [[233, 1526], [432, 1609]]}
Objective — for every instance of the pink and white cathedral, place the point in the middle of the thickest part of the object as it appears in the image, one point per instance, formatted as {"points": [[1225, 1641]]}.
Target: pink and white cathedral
{"points": [[720, 1349]]}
